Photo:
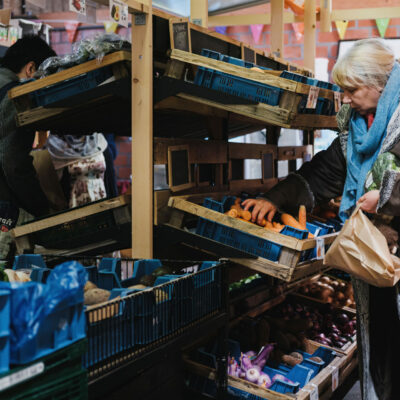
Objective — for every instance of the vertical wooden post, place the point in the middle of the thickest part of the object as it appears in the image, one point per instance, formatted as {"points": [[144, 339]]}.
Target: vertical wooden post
{"points": [[199, 12], [277, 27], [142, 134], [310, 23], [325, 22]]}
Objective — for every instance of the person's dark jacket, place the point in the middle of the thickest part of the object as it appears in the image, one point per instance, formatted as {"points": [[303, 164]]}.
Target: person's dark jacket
{"points": [[18, 180]]}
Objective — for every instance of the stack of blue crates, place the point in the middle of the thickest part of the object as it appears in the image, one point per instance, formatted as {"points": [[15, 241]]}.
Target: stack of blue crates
{"points": [[238, 239], [142, 315], [4, 330], [235, 85]]}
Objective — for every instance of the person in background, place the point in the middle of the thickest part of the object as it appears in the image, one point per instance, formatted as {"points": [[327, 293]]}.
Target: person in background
{"points": [[362, 165], [80, 164], [21, 196], [110, 154]]}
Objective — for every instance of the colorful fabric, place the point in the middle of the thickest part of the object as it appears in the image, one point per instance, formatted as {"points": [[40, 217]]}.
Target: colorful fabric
{"points": [[364, 144], [87, 180]]}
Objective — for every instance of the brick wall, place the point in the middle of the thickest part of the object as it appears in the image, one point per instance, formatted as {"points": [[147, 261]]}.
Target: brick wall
{"points": [[327, 43]]}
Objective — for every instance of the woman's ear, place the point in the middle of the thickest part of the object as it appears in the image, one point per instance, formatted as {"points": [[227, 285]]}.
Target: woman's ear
{"points": [[30, 69]]}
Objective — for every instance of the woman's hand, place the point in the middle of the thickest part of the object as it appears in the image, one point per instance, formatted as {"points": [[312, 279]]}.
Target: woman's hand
{"points": [[369, 201], [262, 208]]}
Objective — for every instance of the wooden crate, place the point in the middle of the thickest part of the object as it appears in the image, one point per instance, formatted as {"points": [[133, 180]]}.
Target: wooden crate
{"points": [[284, 115], [288, 267], [322, 382], [98, 109], [104, 224]]}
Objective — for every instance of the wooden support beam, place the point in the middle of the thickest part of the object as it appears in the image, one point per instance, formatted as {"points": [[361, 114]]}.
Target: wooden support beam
{"points": [[325, 16], [142, 136], [365, 13], [310, 24], [199, 12], [250, 19], [277, 28]]}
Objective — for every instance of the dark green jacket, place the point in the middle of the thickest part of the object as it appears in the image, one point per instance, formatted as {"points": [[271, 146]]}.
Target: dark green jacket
{"points": [[18, 180]]}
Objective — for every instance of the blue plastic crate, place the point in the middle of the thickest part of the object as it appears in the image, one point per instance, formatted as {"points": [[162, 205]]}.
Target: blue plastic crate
{"points": [[71, 87], [242, 240], [237, 86], [64, 326], [33, 263], [4, 330]]}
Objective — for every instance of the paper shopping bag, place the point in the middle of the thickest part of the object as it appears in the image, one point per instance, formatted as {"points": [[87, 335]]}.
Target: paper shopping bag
{"points": [[361, 250]]}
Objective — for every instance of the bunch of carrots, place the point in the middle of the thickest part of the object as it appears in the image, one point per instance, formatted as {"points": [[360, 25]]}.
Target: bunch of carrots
{"points": [[237, 211]]}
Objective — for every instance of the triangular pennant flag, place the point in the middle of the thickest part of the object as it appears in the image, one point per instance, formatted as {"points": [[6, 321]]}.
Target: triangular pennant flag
{"points": [[382, 24], [341, 27], [256, 32], [298, 28], [221, 29], [71, 28], [110, 27]]}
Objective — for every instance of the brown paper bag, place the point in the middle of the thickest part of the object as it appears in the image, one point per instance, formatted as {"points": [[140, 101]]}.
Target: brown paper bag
{"points": [[362, 251]]}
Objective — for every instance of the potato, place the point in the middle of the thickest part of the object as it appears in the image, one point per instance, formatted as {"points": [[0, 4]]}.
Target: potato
{"points": [[96, 296], [22, 276], [160, 295], [138, 286], [89, 285], [12, 276]]}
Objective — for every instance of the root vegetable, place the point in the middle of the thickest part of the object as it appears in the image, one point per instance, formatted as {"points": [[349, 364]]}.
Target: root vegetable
{"points": [[252, 374], [89, 285], [302, 217], [96, 296], [264, 380]]}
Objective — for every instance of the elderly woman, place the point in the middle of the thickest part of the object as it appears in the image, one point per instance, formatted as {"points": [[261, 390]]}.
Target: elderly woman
{"points": [[362, 165]]}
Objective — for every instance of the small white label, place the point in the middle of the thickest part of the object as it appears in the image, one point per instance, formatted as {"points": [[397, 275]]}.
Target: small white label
{"points": [[314, 394], [312, 97], [320, 246], [338, 101], [22, 375], [119, 12], [335, 378], [78, 6]]}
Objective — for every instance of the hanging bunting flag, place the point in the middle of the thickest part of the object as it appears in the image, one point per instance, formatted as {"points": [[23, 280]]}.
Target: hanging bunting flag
{"points": [[298, 28], [78, 6], [221, 29], [256, 32], [71, 28], [110, 27], [341, 27], [382, 24]]}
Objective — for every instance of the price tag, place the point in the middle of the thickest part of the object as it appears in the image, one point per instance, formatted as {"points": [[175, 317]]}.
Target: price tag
{"points": [[78, 6], [320, 247], [312, 97], [314, 394], [119, 12], [20, 376], [338, 101], [335, 378]]}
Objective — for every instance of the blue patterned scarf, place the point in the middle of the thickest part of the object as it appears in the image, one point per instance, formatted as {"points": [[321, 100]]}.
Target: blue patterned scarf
{"points": [[364, 144]]}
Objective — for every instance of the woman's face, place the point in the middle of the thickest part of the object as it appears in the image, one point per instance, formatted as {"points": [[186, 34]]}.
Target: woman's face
{"points": [[364, 99]]}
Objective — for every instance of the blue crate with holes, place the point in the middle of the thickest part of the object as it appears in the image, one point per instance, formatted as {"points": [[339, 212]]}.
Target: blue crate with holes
{"points": [[229, 59], [242, 240], [317, 229], [71, 87], [4, 329]]}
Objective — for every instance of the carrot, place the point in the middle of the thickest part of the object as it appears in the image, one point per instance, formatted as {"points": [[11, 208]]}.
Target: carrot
{"points": [[232, 213], [287, 219], [303, 217], [238, 201], [245, 215]]}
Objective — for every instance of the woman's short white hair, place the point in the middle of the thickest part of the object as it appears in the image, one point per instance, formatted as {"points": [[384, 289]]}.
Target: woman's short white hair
{"points": [[367, 63]]}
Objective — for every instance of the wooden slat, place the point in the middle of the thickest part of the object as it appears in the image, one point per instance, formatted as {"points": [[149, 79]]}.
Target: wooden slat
{"points": [[199, 12], [314, 121], [250, 150], [365, 13], [71, 215], [293, 152], [69, 73], [325, 16], [310, 28], [251, 19], [277, 27], [142, 138]]}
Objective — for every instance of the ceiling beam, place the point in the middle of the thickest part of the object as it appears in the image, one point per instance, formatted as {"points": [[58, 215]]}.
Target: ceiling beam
{"points": [[288, 17]]}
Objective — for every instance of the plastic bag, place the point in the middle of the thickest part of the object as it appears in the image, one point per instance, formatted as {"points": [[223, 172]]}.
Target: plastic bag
{"points": [[32, 302], [85, 50], [361, 250]]}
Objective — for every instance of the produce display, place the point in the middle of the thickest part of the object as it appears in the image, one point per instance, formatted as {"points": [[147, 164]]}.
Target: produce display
{"points": [[9, 275], [330, 290], [236, 211], [326, 325], [246, 283]]}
